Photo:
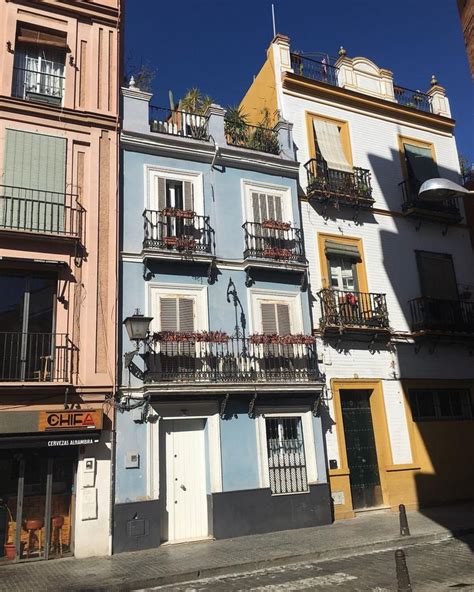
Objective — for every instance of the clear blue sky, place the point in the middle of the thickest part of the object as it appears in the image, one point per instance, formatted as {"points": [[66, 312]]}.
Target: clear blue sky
{"points": [[218, 45]]}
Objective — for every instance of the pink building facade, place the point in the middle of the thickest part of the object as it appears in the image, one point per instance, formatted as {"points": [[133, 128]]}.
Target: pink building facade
{"points": [[59, 79]]}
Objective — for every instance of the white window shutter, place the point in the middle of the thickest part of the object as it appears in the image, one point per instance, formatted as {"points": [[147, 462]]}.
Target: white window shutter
{"points": [[283, 317], [161, 190], [186, 314], [168, 314], [188, 195], [256, 208], [269, 320], [263, 207], [278, 208]]}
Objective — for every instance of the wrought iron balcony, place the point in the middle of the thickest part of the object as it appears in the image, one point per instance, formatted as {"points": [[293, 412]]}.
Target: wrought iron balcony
{"points": [[35, 210], [412, 98], [35, 357], [343, 309], [42, 87], [179, 231], [445, 211], [273, 240], [434, 314], [315, 70], [179, 123], [330, 184], [234, 360], [253, 137]]}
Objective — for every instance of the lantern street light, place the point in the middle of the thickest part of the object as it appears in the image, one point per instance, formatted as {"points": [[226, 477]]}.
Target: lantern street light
{"points": [[137, 327], [440, 189]]}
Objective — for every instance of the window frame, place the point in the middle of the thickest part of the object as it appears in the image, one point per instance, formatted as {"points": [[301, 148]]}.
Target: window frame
{"points": [[402, 140], [344, 131], [284, 192], [152, 173], [308, 442], [257, 296], [197, 293], [438, 416], [362, 283]]}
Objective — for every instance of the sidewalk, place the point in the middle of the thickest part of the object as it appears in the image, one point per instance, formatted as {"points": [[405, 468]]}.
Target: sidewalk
{"points": [[177, 563]]}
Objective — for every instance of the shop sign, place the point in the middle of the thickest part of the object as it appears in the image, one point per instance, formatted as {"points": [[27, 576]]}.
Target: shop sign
{"points": [[72, 442], [70, 420]]}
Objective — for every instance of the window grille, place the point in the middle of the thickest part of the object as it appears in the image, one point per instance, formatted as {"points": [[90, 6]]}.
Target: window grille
{"points": [[286, 457], [440, 404]]}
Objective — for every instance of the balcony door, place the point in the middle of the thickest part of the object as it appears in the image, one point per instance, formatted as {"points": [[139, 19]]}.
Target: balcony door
{"points": [[173, 205], [32, 198], [27, 327]]}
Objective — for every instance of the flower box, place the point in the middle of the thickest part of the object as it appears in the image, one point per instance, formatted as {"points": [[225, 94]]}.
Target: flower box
{"points": [[277, 253], [191, 337], [177, 213], [260, 339], [276, 225]]}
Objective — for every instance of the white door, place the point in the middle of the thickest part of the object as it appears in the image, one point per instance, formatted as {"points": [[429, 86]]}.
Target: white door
{"points": [[184, 502]]}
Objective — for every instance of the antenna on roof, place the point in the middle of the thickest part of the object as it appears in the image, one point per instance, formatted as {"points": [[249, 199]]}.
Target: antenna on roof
{"points": [[273, 20]]}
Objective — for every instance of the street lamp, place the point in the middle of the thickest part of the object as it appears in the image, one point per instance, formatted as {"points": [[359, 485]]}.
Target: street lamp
{"points": [[137, 327], [440, 189]]}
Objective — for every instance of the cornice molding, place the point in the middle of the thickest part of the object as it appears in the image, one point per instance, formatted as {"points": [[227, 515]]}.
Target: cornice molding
{"points": [[294, 82]]}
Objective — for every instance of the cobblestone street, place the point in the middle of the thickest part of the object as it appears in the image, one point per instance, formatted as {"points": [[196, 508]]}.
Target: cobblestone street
{"points": [[433, 567]]}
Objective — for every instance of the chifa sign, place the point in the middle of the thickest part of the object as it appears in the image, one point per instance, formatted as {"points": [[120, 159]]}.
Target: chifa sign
{"points": [[68, 420]]}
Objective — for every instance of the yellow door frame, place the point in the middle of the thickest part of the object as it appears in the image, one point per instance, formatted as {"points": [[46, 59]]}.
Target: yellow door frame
{"points": [[381, 435]]}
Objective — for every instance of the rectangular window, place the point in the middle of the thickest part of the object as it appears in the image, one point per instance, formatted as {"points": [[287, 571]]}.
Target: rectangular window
{"points": [[177, 358], [286, 455], [26, 321], [266, 207], [437, 275], [38, 72], [328, 143], [440, 404]]}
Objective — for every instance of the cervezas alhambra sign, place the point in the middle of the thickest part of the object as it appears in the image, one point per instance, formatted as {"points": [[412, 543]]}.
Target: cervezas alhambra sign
{"points": [[70, 420]]}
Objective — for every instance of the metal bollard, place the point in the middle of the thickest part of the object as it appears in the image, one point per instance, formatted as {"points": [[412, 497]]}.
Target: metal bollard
{"points": [[404, 530], [403, 577]]}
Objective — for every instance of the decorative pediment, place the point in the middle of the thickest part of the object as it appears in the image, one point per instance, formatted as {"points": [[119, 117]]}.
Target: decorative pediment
{"points": [[362, 75]]}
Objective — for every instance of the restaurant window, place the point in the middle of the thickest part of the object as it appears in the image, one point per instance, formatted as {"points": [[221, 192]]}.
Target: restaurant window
{"points": [[440, 404]]}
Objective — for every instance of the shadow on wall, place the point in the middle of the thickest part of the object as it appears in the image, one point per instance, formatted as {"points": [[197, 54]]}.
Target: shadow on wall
{"points": [[443, 449]]}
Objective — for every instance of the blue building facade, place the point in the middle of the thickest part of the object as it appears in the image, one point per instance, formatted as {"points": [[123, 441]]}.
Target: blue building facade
{"points": [[219, 432]]}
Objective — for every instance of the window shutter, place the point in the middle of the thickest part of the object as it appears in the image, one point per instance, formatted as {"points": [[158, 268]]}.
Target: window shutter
{"points": [[271, 207], [283, 316], [329, 141], [437, 276], [278, 208], [256, 208], [188, 195], [168, 314], [269, 321], [263, 207], [421, 163], [186, 314], [161, 193]]}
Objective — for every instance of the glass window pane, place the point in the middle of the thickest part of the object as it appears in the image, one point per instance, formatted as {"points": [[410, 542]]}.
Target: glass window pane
{"points": [[426, 405], [40, 310], [12, 289]]}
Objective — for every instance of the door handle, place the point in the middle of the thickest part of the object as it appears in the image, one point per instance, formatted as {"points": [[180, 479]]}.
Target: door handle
{"points": [[183, 487]]}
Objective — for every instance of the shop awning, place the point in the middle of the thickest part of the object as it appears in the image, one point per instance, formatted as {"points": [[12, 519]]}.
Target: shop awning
{"points": [[329, 142], [421, 163], [336, 249]]}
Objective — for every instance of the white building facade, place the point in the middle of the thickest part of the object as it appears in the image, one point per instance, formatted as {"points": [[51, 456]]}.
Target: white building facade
{"points": [[390, 277]]}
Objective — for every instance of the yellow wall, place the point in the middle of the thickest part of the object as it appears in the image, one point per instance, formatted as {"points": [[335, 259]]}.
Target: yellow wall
{"points": [[262, 94], [443, 453]]}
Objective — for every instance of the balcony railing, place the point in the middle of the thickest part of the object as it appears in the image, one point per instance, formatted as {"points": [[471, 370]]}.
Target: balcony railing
{"points": [[35, 357], [447, 210], [434, 314], [179, 123], [35, 210], [353, 309], [176, 230], [412, 98], [273, 240], [236, 360], [325, 183], [34, 85], [253, 137], [320, 71]]}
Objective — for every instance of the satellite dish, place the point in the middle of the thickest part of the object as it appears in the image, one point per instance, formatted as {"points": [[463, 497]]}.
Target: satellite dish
{"points": [[440, 189]]}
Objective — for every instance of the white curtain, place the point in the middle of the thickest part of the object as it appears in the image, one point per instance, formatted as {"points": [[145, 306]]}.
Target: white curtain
{"points": [[330, 145]]}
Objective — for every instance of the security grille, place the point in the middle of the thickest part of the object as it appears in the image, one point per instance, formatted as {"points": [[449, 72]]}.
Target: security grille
{"points": [[286, 458]]}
